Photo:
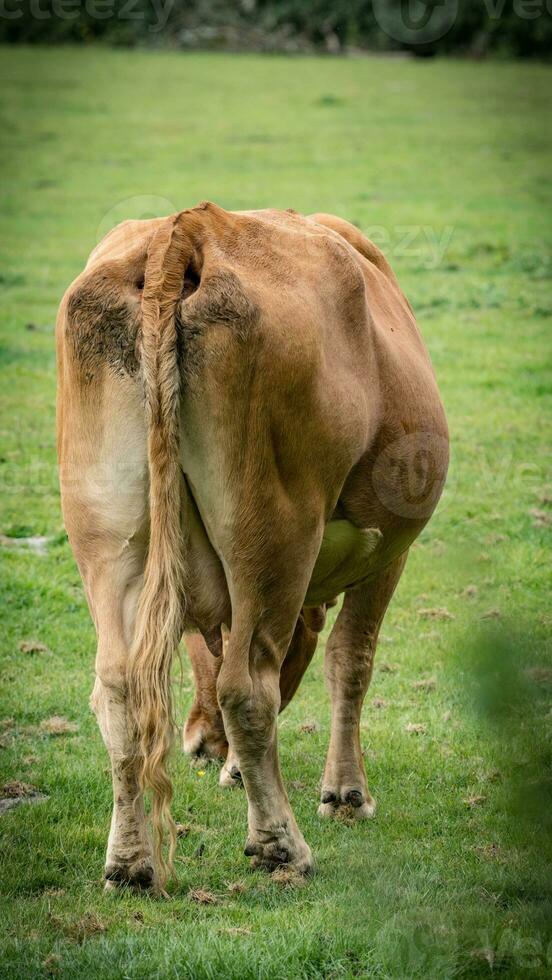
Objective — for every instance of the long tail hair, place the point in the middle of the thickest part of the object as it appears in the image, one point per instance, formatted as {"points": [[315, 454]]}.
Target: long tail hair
{"points": [[161, 607]]}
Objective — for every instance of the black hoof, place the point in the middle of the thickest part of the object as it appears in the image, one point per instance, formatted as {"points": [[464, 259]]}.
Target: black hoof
{"points": [[355, 798], [140, 878]]}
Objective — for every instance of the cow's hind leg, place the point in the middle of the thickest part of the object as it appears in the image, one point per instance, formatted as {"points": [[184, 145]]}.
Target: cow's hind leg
{"points": [[299, 655], [204, 734], [113, 598], [348, 668], [248, 689], [108, 531]]}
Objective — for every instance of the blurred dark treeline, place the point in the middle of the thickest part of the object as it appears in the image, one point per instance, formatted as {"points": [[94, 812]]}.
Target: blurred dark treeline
{"points": [[518, 28]]}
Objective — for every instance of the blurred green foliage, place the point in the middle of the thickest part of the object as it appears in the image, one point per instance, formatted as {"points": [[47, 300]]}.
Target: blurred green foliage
{"points": [[520, 28]]}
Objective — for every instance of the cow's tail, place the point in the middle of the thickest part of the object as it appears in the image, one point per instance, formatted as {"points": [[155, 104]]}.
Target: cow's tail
{"points": [[161, 608]]}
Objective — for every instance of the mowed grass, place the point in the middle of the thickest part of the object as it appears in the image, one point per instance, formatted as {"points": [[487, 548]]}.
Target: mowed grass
{"points": [[447, 166]]}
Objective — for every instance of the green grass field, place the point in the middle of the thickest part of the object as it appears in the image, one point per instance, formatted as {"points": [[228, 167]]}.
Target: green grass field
{"points": [[447, 166]]}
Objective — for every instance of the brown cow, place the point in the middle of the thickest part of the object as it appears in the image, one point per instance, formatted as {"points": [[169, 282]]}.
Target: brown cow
{"points": [[248, 426]]}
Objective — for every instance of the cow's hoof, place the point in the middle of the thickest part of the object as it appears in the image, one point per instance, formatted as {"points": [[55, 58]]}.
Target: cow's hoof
{"points": [[349, 802], [230, 777], [270, 851], [139, 876], [202, 740]]}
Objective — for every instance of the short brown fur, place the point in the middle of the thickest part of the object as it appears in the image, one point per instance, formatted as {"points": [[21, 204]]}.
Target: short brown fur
{"points": [[240, 396]]}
